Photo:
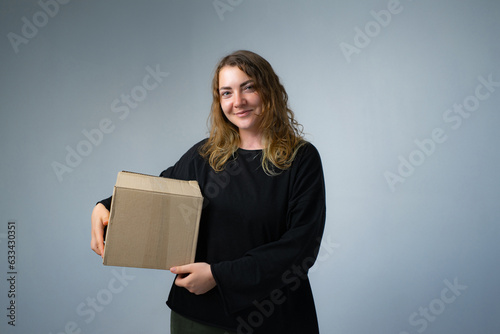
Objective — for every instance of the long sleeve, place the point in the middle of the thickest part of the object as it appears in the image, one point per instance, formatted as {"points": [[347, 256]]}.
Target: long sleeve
{"points": [[286, 260], [185, 168], [106, 202]]}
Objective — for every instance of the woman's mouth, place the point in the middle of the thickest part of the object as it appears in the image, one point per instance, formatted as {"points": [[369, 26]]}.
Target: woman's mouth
{"points": [[243, 113]]}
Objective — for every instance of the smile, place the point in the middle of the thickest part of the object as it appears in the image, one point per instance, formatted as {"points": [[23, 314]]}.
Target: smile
{"points": [[243, 113]]}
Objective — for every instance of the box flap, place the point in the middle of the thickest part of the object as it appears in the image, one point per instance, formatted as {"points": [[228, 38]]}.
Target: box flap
{"points": [[157, 184]]}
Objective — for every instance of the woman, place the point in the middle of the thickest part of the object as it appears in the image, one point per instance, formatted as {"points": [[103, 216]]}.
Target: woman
{"points": [[264, 211]]}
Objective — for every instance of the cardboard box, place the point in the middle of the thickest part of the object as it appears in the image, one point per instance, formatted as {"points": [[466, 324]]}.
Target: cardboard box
{"points": [[153, 222]]}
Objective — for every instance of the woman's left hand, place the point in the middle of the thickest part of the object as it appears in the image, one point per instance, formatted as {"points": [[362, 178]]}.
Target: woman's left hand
{"points": [[197, 277]]}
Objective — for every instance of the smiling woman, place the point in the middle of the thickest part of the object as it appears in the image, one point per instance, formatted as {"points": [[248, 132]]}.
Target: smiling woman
{"points": [[241, 105], [266, 219], [246, 82]]}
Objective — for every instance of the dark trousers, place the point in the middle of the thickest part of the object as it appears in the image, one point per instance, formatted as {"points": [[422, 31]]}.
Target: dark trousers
{"points": [[182, 325]]}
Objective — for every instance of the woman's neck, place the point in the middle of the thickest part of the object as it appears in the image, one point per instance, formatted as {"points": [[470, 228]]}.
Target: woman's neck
{"points": [[250, 140]]}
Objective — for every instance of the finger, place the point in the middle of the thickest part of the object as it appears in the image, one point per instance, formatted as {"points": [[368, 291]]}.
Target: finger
{"points": [[97, 243], [99, 219], [100, 246], [180, 282], [100, 236], [185, 269]]}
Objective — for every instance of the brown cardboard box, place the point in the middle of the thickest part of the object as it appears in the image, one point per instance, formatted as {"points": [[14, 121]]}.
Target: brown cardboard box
{"points": [[153, 222]]}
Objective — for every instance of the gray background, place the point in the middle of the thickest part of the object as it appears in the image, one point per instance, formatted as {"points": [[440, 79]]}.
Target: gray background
{"points": [[391, 248]]}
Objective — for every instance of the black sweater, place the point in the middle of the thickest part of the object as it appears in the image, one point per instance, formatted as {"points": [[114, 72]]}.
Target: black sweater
{"points": [[260, 234]]}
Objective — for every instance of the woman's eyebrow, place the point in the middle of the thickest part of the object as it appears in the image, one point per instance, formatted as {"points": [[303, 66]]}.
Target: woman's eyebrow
{"points": [[241, 85]]}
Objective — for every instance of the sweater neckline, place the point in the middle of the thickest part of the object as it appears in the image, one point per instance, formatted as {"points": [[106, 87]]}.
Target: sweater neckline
{"points": [[242, 150]]}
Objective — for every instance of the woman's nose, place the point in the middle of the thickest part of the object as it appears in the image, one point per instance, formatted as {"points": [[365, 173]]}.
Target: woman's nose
{"points": [[239, 100]]}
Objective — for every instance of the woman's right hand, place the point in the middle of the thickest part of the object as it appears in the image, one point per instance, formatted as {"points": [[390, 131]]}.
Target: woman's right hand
{"points": [[100, 217]]}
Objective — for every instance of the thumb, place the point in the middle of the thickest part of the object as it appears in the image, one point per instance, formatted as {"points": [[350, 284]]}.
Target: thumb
{"points": [[181, 269]]}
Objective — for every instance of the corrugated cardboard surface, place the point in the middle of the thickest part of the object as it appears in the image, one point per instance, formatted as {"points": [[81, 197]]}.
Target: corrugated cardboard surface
{"points": [[153, 223]]}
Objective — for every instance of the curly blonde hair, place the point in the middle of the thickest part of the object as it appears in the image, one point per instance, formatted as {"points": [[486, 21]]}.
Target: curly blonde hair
{"points": [[282, 134]]}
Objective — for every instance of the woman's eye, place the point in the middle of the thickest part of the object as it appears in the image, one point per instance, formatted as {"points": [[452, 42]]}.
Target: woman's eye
{"points": [[249, 87], [224, 94]]}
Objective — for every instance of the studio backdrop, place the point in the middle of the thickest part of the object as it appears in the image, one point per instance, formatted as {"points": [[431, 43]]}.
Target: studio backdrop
{"points": [[401, 98]]}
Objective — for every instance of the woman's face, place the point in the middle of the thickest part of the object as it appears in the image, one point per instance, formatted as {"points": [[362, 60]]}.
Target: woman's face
{"points": [[239, 100]]}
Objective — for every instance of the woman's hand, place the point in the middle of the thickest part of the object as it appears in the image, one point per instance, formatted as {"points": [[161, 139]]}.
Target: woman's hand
{"points": [[197, 277], [99, 219]]}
